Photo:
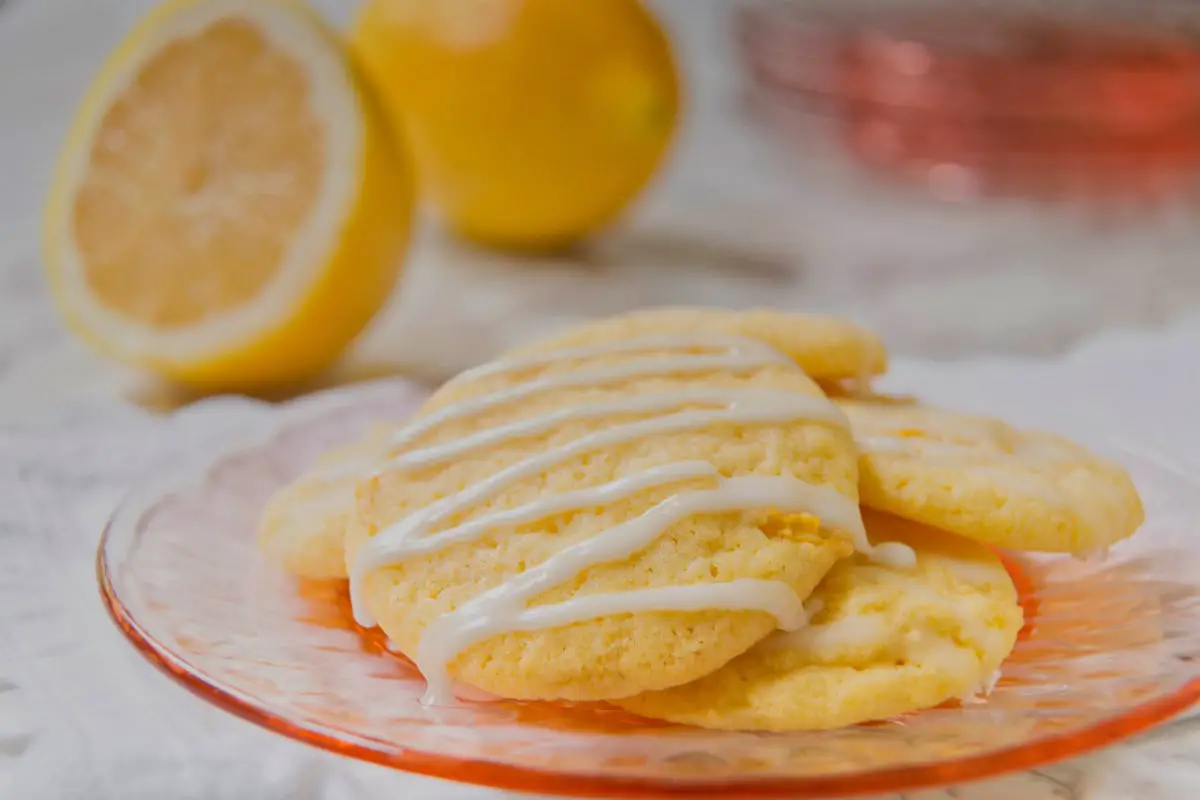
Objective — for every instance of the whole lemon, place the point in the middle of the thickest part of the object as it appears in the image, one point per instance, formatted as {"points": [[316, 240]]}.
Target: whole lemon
{"points": [[533, 122]]}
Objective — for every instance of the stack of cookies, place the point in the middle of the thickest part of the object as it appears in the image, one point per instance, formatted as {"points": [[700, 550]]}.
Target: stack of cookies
{"points": [[701, 516]]}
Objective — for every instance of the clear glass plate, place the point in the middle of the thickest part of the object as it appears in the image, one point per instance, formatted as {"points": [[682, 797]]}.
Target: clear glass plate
{"points": [[1111, 648]]}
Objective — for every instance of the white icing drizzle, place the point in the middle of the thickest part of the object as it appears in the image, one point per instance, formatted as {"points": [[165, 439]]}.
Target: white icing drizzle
{"points": [[751, 406], [398, 542], [872, 618], [739, 353], [674, 365], [738, 405], [730, 344], [504, 608], [441, 643], [856, 630]]}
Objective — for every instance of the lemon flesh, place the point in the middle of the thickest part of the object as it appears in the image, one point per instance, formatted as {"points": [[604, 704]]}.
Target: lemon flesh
{"points": [[231, 207]]}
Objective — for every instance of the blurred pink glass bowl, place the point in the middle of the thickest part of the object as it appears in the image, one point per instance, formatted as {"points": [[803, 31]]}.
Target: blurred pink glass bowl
{"points": [[1064, 100], [1112, 648]]}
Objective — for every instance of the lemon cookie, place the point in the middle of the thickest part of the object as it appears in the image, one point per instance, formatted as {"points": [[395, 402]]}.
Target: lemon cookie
{"points": [[827, 348], [983, 479], [882, 641], [622, 511], [303, 525]]}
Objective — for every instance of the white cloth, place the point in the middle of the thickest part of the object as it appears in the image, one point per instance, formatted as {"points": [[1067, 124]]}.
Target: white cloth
{"points": [[82, 717]]}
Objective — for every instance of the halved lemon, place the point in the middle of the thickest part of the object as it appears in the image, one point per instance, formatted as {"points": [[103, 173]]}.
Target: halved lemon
{"points": [[231, 207]]}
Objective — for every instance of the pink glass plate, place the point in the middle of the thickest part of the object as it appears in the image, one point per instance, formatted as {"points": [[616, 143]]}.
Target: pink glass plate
{"points": [[1112, 648]]}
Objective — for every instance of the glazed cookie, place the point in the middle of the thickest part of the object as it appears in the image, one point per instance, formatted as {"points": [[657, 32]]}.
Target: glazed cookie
{"points": [[883, 641], [625, 511], [983, 479], [303, 525], [828, 348]]}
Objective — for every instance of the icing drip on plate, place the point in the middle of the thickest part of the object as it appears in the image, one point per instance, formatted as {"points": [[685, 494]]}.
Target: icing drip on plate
{"points": [[504, 608]]}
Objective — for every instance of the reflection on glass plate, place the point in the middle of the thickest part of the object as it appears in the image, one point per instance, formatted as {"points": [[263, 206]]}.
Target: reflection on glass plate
{"points": [[1112, 647]]}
